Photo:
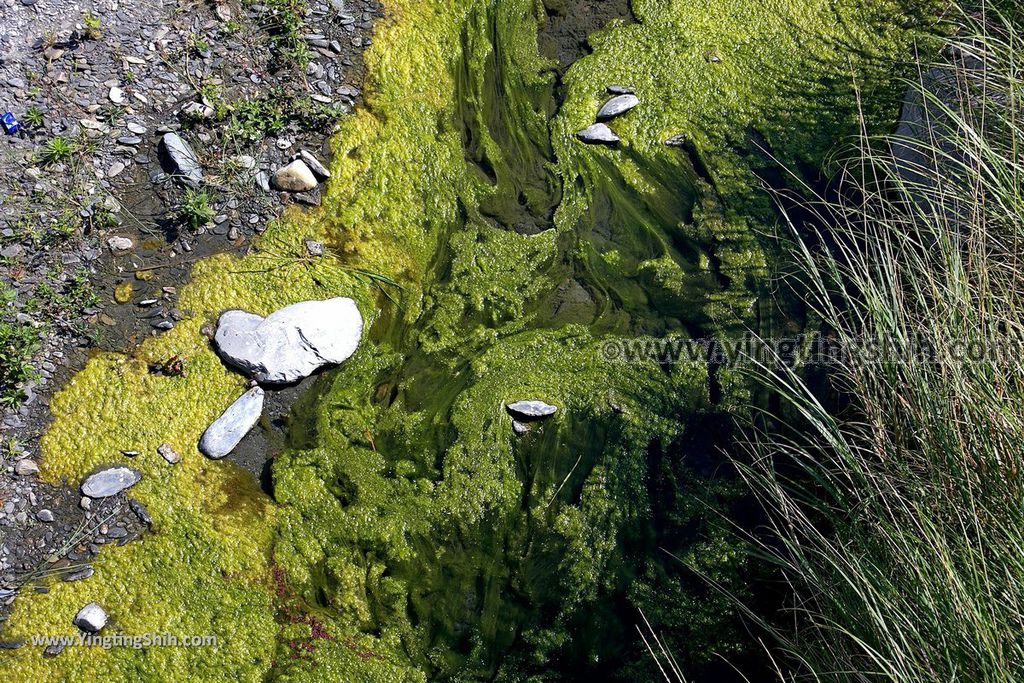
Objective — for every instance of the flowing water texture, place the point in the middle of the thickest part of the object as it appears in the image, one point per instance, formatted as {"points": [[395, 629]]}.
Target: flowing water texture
{"points": [[411, 535]]}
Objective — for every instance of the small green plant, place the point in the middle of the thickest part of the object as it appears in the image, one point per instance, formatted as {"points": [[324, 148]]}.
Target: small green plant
{"points": [[128, 76], [198, 44], [33, 117], [18, 343], [57, 150], [285, 27], [251, 120], [195, 208], [111, 112], [92, 25], [64, 227]]}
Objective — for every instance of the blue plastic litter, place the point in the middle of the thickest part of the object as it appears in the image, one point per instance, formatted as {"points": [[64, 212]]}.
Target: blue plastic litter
{"points": [[11, 125]]}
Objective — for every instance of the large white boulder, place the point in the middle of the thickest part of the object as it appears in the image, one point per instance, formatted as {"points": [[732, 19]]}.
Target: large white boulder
{"points": [[221, 437], [290, 343]]}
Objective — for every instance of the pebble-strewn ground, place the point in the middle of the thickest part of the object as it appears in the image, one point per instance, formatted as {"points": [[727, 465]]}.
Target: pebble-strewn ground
{"points": [[94, 86]]}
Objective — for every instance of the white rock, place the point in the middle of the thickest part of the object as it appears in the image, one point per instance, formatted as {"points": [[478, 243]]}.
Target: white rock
{"points": [[116, 95], [91, 618], [531, 410], [597, 133], [110, 481], [120, 244], [221, 437], [292, 342], [115, 169], [295, 177], [619, 104]]}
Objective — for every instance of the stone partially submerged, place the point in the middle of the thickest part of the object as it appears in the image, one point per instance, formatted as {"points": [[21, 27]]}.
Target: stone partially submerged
{"points": [[290, 343], [530, 410], [221, 437], [617, 105], [597, 134], [110, 482]]}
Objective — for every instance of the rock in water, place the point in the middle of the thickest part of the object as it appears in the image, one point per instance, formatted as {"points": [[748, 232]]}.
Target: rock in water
{"points": [[185, 161], [619, 104], [120, 244], [295, 177], [598, 134], [91, 618], [290, 343], [110, 482], [619, 90], [221, 437], [531, 410]]}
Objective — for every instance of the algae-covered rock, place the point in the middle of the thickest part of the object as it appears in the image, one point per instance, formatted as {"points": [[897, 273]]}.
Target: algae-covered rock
{"points": [[123, 292], [110, 482], [291, 343], [221, 437]]}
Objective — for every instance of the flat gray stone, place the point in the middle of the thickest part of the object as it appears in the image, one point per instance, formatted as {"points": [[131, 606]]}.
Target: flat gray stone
{"points": [[597, 134], [617, 105], [91, 618], [185, 161], [221, 437], [531, 410], [290, 343], [110, 482]]}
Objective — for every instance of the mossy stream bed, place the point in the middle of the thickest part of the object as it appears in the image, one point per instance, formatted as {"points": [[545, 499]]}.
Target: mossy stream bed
{"points": [[409, 533]]}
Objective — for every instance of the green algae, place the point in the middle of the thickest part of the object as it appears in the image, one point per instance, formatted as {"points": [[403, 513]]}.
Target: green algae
{"points": [[409, 521]]}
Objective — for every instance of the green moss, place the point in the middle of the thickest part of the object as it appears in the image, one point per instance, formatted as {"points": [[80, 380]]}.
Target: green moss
{"points": [[414, 535]]}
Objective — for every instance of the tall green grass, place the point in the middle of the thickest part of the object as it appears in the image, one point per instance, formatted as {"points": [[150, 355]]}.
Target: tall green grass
{"points": [[895, 498]]}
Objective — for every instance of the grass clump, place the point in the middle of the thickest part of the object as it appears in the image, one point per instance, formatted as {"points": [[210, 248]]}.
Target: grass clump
{"points": [[284, 20], [58, 149], [92, 26], [195, 208], [33, 117], [899, 517], [18, 343]]}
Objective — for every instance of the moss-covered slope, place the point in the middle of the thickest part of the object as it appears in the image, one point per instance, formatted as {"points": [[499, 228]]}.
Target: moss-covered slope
{"points": [[413, 534]]}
